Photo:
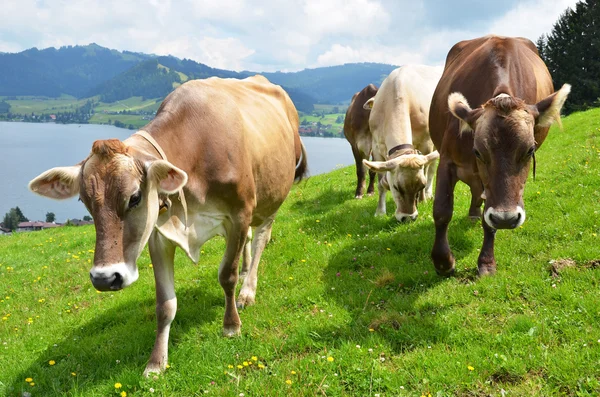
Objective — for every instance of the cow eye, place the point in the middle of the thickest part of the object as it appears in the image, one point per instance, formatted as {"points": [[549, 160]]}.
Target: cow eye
{"points": [[531, 151], [135, 199], [477, 154]]}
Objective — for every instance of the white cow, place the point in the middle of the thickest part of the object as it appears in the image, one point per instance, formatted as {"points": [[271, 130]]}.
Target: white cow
{"points": [[402, 148]]}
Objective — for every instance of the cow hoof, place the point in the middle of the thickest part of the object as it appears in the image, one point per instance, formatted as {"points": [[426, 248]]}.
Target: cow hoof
{"points": [[486, 270], [153, 368], [358, 197], [244, 301], [446, 272], [474, 218], [231, 331]]}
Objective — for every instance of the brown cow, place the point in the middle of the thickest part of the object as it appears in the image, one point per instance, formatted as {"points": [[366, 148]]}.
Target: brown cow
{"points": [[219, 158], [357, 132], [490, 147]]}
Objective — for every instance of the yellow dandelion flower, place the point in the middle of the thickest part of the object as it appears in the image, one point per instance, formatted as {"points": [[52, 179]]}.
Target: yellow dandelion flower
{"points": [[261, 366], [330, 359], [291, 278], [371, 330], [245, 363], [167, 366], [123, 394], [118, 385], [51, 362], [4, 318], [230, 366], [293, 372], [289, 382], [254, 358], [240, 366], [28, 380], [318, 221], [470, 368], [31, 383], [73, 374], [150, 265]]}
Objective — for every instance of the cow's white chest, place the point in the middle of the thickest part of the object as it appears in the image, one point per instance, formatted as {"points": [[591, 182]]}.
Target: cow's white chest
{"points": [[204, 226]]}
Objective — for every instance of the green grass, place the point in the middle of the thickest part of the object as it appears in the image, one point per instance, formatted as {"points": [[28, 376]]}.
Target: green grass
{"points": [[328, 119], [134, 103], [135, 120], [334, 282], [41, 105]]}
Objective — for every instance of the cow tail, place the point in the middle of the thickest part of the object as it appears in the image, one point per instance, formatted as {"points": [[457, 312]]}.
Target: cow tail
{"points": [[301, 165]]}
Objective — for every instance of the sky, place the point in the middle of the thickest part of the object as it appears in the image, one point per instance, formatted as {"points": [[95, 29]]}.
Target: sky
{"points": [[272, 35]]}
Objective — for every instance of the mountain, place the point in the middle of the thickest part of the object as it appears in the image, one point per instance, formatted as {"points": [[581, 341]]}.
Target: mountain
{"points": [[72, 70], [84, 71]]}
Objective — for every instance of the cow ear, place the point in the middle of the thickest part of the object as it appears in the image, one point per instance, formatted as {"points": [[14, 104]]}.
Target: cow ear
{"points": [[431, 157], [548, 109], [369, 104], [459, 107], [382, 166], [167, 177], [57, 183]]}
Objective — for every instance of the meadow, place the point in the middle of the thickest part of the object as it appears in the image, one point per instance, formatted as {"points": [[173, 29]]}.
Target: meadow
{"points": [[347, 304]]}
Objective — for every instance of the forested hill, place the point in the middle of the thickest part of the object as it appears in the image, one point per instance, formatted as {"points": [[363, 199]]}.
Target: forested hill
{"points": [[84, 71]]}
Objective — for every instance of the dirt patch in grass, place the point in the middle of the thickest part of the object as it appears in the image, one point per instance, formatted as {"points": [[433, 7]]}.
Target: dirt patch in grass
{"points": [[557, 265]]}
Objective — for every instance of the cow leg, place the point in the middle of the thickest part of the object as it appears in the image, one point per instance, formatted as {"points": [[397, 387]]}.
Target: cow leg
{"points": [[162, 253], [486, 263], [228, 274], [443, 205], [476, 201], [360, 172], [371, 187], [383, 187], [248, 291], [247, 257]]}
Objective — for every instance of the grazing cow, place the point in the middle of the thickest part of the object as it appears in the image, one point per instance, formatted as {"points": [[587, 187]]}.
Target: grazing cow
{"points": [[402, 148], [219, 157], [489, 148], [357, 132]]}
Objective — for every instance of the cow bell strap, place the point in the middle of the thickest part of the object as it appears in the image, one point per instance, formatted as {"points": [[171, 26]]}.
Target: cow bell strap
{"points": [[162, 154], [533, 155], [400, 147]]}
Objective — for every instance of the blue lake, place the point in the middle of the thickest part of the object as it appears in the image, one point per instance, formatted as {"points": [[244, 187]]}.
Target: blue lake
{"points": [[28, 149]]}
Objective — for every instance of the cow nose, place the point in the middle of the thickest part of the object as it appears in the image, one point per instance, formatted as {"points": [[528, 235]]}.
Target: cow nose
{"points": [[111, 282], [402, 217], [505, 219]]}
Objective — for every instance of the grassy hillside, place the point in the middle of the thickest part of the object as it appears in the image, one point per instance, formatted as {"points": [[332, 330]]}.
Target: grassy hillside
{"points": [[347, 304]]}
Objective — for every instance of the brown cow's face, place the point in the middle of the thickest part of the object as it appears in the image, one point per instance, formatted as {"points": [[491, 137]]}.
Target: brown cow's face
{"points": [[406, 178], [121, 193], [504, 144]]}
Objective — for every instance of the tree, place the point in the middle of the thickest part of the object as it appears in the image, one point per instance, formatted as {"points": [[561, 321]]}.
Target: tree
{"points": [[87, 218], [11, 219], [50, 217], [572, 53], [22, 217], [340, 119]]}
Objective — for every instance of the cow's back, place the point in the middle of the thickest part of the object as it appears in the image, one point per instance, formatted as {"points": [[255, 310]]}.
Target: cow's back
{"points": [[402, 103], [482, 68], [236, 139]]}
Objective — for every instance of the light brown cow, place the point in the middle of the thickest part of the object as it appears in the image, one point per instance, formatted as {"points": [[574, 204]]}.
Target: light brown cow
{"points": [[219, 158], [490, 147], [358, 133], [402, 148]]}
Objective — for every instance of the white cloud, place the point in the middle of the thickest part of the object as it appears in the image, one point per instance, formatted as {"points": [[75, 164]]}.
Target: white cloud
{"points": [[531, 19], [339, 54], [268, 35]]}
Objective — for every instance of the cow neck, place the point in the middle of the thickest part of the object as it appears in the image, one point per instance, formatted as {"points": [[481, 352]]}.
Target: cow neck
{"points": [[406, 148], [163, 156]]}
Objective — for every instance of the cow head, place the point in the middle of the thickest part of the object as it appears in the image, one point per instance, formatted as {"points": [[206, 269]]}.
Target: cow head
{"points": [[120, 187], [405, 175], [504, 144]]}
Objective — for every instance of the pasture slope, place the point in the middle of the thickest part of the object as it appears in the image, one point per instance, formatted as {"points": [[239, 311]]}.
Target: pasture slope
{"points": [[347, 304]]}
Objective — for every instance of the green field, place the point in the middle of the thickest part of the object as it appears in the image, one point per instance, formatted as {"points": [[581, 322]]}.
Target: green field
{"points": [[347, 304], [135, 103], [43, 105], [135, 120]]}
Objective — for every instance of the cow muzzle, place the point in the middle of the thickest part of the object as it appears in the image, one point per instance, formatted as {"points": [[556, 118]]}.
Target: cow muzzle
{"points": [[402, 217], [113, 277], [504, 219]]}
